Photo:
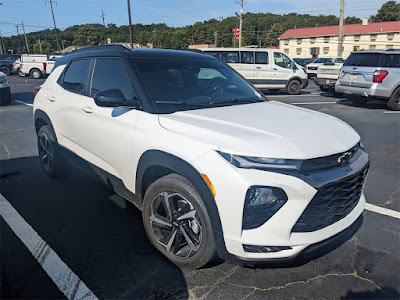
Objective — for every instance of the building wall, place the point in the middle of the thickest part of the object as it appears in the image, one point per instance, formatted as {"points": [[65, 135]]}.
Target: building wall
{"points": [[301, 47]]}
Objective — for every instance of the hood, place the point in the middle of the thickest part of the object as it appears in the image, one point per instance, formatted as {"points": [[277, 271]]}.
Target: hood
{"points": [[267, 129]]}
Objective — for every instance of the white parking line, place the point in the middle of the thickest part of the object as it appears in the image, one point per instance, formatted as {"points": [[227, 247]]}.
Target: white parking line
{"points": [[22, 102], [391, 112], [66, 280], [383, 211], [308, 103]]}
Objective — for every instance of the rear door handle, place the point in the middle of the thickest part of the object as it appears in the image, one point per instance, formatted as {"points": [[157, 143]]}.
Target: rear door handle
{"points": [[51, 98], [87, 109], [275, 69], [258, 68]]}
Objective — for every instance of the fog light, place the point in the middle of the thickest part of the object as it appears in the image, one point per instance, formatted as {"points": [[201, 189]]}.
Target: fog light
{"points": [[265, 249], [261, 204]]}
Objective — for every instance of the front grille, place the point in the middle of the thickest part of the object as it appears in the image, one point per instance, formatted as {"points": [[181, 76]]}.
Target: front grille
{"points": [[331, 203]]}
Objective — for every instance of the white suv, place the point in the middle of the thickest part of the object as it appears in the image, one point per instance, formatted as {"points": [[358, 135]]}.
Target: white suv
{"points": [[215, 168]]}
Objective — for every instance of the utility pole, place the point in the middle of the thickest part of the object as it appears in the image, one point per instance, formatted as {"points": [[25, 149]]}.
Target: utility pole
{"points": [[55, 27], [130, 23], [40, 46], [241, 23], [2, 50], [154, 38], [26, 40], [216, 39], [104, 25], [341, 27], [19, 41]]}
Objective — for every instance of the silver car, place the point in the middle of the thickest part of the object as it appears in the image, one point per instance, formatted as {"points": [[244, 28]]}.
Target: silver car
{"points": [[5, 93], [370, 73]]}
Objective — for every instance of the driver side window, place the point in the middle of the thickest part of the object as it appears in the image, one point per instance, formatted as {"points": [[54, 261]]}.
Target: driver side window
{"points": [[282, 60]]}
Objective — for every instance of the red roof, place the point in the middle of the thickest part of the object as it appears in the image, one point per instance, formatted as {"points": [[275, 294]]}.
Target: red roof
{"points": [[348, 29], [272, 47]]}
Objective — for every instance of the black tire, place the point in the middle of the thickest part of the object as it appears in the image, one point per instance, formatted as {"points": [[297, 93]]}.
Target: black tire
{"points": [[334, 93], [6, 70], [394, 100], [294, 87], [357, 101], [180, 192], [323, 88], [274, 91], [36, 73], [19, 72], [5, 100], [48, 145]]}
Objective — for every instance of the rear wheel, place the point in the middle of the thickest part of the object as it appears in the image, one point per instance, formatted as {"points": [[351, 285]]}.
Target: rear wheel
{"points": [[323, 88], [394, 100], [20, 73], [49, 152], [177, 222], [334, 93], [294, 87], [6, 70], [36, 74], [358, 101]]}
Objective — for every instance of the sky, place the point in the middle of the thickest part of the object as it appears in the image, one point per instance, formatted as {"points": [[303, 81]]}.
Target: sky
{"points": [[36, 14]]}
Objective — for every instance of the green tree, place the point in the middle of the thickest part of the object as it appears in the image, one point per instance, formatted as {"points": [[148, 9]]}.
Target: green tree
{"points": [[352, 20], [46, 47], [276, 30], [87, 36], [390, 11]]}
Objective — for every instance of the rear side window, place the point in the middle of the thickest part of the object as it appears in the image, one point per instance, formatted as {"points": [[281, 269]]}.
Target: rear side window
{"points": [[247, 57], [109, 73], [262, 58], [226, 56], [75, 78], [363, 60], [391, 61]]}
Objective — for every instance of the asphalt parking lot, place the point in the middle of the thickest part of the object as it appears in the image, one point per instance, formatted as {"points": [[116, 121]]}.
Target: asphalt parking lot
{"points": [[102, 240]]}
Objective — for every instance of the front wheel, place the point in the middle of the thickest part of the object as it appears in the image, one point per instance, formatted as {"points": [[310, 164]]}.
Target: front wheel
{"points": [[394, 100], [293, 88], [177, 222]]}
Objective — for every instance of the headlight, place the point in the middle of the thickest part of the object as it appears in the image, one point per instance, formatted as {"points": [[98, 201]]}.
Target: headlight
{"points": [[262, 163], [3, 80]]}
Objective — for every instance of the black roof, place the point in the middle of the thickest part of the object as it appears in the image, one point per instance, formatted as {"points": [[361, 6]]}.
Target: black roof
{"points": [[119, 50]]}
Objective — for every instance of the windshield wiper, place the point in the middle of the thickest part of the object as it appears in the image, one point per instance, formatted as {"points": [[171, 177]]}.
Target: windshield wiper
{"points": [[181, 103], [235, 100]]}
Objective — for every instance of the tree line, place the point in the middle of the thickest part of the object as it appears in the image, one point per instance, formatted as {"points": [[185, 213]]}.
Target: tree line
{"points": [[260, 29]]}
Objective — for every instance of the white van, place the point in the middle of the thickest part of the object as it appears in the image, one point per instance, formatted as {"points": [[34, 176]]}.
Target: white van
{"points": [[265, 68]]}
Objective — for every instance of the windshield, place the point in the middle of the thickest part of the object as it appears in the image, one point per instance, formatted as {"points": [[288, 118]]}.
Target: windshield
{"points": [[181, 84], [323, 60]]}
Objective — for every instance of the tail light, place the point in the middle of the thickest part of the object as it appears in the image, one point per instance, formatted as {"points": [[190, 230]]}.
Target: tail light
{"points": [[379, 76], [36, 90], [20, 66], [44, 66]]}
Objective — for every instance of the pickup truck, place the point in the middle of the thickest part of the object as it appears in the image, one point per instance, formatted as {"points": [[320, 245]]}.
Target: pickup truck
{"points": [[326, 77], [36, 66]]}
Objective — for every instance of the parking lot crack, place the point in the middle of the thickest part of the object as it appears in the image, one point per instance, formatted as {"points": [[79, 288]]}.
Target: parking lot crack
{"points": [[221, 279], [8, 151]]}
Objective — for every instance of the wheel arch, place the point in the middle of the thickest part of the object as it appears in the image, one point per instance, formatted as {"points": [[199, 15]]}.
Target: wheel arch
{"points": [[155, 164], [291, 79], [42, 119]]}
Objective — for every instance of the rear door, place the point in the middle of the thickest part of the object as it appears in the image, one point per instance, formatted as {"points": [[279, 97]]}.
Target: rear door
{"points": [[358, 69], [262, 69]]}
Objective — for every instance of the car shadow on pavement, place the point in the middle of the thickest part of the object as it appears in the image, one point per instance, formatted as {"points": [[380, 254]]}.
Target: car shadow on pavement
{"points": [[371, 104], [26, 97], [103, 243], [383, 293]]}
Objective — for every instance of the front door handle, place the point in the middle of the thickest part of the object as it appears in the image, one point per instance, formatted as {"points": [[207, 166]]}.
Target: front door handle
{"points": [[275, 69], [51, 98], [87, 109], [258, 68]]}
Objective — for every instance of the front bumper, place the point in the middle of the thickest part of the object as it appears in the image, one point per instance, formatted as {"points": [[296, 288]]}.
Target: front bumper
{"points": [[231, 185]]}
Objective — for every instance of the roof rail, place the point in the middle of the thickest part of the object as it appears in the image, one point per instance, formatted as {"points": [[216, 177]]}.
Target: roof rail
{"points": [[393, 49], [102, 47]]}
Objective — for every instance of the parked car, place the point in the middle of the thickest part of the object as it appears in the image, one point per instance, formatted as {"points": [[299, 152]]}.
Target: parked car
{"points": [[215, 168], [327, 76], [5, 93], [313, 67], [7, 62], [371, 73], [265, 68], [36, 65], [303, 61]]}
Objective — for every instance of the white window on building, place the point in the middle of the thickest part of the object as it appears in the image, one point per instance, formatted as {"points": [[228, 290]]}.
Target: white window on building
{"points": [[390, 37], [286, 42], [286, 50], [298, 51], [357, 38], [373, 37], [326, 50], [389, 46], [312, 41], [298, 41], [327, 39], [372, 47]]}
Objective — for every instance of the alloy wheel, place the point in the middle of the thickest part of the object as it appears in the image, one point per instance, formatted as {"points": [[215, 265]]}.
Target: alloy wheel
{"points": [[46, 152], [175, 224]]}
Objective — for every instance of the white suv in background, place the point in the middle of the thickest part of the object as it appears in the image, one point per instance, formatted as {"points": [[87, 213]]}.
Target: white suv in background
{"points": [[215, 167], [313, 67]]}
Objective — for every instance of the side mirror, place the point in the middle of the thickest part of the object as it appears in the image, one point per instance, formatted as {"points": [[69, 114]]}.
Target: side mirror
{"points": [[293, 64], [109, 98]]}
